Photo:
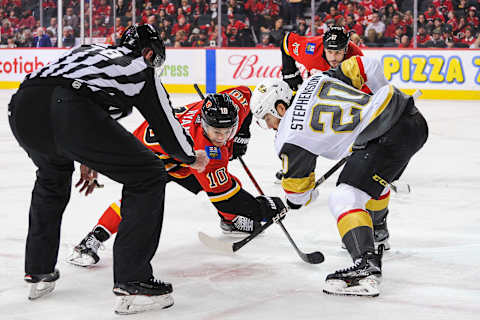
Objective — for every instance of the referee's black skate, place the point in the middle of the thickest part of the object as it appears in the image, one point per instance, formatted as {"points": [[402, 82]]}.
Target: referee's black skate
{"points": [[138, 296], [41, 284], [361, 279], [85, 253], [239, 226]]}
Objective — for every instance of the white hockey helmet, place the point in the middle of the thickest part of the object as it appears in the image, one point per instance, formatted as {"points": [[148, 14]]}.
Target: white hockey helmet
{"points": [[267, 95]]}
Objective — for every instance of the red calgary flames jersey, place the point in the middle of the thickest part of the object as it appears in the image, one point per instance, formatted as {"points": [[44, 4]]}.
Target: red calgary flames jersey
{"points": [[215, 179], [309, 51]]}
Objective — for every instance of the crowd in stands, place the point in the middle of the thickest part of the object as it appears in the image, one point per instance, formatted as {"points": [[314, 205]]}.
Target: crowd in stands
{"points": [[248, 23]]}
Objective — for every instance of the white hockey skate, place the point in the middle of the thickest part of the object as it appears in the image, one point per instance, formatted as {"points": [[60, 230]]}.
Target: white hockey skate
{"points": [[140, 296], [239, 227], [41, 284], [362, 279], [85, 253]]}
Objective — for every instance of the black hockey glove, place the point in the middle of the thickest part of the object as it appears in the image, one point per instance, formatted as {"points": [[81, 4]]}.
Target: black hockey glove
{"points": [[240, 143], [294, 80], [272, 208]]}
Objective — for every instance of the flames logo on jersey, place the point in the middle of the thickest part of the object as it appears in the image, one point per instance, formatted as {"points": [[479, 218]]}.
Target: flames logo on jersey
{"points": [[310, 48], [213, 152], [295, 46]]}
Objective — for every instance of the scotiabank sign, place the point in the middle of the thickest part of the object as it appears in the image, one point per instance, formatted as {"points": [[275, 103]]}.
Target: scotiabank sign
{"points": [[16, 63]]}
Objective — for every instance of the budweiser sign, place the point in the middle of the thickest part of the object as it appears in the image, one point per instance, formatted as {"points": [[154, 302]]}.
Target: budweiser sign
{"points": [[248, 67]]}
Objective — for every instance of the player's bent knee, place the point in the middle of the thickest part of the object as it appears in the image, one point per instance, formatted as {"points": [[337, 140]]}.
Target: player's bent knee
{"points": [[345, 198]]}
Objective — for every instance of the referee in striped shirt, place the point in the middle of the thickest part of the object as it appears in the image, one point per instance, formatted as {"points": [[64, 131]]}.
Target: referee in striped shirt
{"points": [[66, 112]]}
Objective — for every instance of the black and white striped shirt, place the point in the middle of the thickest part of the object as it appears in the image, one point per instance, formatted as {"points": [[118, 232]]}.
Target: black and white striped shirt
{"points": [[118, 79]]}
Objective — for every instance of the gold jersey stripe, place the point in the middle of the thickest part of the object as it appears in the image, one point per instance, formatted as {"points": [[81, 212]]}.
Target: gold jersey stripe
{"points": [[377, 205], [384, 104], [351, 69], [299, 185], [353, 219], [116, 208], [227, 195], [285, 44]]}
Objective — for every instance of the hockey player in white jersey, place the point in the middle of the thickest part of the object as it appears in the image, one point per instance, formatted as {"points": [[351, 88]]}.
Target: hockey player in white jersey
{"points": [[332, 118]]}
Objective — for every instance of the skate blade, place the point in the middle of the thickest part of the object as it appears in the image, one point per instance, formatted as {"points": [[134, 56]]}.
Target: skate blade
{"points": [[368, 287], [80, 260], [40, 289], [139, 303]]}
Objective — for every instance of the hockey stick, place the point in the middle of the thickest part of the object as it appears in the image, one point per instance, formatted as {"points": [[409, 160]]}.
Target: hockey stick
{"points": [[199, 92], [312, 257], [232, 247]]}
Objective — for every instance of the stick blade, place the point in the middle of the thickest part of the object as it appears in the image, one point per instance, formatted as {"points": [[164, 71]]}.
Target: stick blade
{"points": [[314, 257], [215, 244]]}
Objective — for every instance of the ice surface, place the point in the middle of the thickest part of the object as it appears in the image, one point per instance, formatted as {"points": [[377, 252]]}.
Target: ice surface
{"points": [[430, 273]]}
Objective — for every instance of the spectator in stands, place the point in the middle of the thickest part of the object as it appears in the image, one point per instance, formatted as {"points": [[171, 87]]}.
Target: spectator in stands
{"points": [[278, 32], [404, 42], [372, 39], [422, 37], [71, 19], [53, 26], [357, 39], [121, 8], [296, 10], [376, 25], [27, 20], [181, 37], [98, 29], [181, 25], [422, 22], [461, 8], [26, 39], [469, 39], [41, 40], [393, 25], [11, 43], [14, 20], [472, 19], [301, 27], [104, 10], [68, 39], [432, 13], [352, 25], [436, 41], [476, 44], [165, 38], [6, 31], [265, 42], [450, 44]]}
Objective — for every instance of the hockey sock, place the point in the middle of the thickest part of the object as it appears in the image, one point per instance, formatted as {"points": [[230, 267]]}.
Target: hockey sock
{"points": [[111, 218]]}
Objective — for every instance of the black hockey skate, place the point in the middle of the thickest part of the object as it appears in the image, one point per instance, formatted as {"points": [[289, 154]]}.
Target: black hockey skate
{"points": [[361, 279], [239, 226], [85, 253], [41, 284], [138, 296], [381, 234]]}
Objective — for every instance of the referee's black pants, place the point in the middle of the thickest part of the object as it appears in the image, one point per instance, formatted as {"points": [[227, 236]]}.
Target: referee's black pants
{"points": [[56, 127]]}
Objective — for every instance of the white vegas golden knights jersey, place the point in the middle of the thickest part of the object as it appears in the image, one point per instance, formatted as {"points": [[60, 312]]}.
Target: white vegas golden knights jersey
{"points": [[328, 115]]}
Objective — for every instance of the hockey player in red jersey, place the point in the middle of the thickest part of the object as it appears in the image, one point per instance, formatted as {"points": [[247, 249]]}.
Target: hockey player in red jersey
{"points": [[318, 53], [220, 125]]}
